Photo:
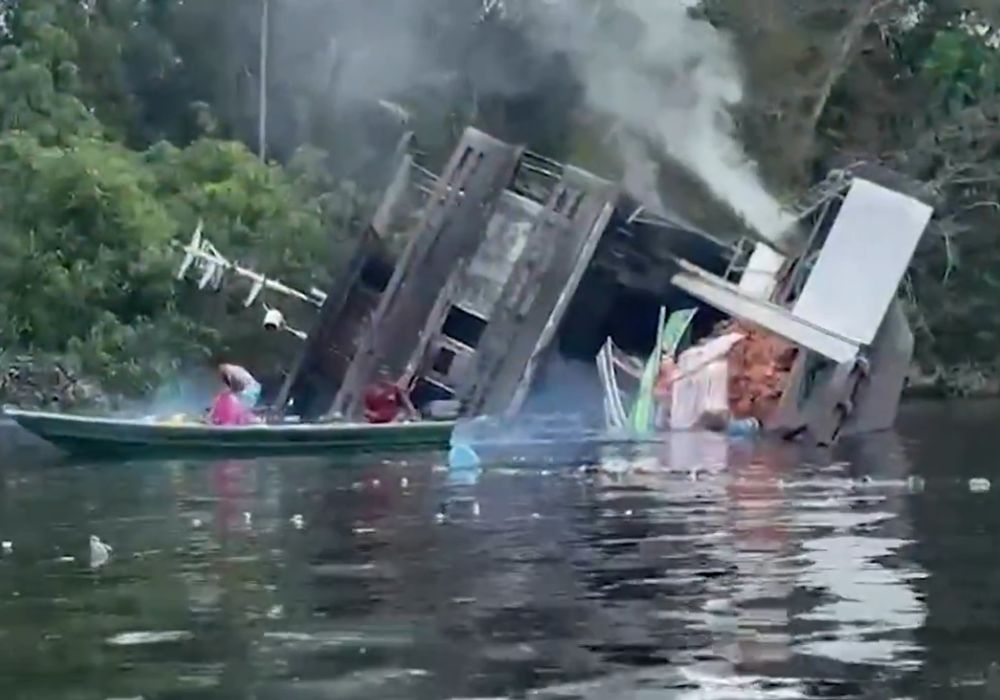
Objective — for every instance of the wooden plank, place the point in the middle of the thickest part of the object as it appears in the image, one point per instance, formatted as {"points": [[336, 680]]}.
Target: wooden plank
{"points": [[555, 317], [329, 323], [537, 293], [450, 232]]}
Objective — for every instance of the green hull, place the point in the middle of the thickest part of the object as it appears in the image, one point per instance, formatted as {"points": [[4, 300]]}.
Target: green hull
{"points": [[104, 436]]}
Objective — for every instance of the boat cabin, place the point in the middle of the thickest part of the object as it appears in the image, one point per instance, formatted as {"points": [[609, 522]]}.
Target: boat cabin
{"points": [[513, 263]]}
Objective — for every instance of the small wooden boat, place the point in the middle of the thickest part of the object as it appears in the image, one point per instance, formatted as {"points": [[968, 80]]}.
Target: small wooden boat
{"points": [[138, 438]]}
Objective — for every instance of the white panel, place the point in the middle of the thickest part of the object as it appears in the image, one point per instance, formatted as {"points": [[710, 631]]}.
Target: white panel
{"points": [[728, 298], [862, 262], [761, 275]]}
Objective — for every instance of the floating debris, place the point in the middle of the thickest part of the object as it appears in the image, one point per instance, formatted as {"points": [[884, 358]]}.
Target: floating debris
{"points": [[718, 605], [130, 639], [196, 523], [100, 553], [915, 483], [7, 546], [404, 483], [297, 521], [979, 485]]}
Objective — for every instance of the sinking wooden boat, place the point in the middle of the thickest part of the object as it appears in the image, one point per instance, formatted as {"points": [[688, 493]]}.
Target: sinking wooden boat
{"points": [[138, 438]]}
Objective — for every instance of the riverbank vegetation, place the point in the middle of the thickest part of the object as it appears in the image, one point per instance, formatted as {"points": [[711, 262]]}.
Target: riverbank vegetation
{"points": [[123, 123]]}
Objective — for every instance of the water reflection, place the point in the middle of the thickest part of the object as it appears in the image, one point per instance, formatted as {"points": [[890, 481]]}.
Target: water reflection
{"points": [[696, 569]]}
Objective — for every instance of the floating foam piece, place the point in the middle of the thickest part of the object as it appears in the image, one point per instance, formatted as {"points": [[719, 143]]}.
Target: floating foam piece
{"points": [[979, 485], [100, 553], [461, 456]]}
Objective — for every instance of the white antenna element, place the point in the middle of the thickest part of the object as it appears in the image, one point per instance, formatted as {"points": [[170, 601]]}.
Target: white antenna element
{"points": [[203, 257], [255, 291]]}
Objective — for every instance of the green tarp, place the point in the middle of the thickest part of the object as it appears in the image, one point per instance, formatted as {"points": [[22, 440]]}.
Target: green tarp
{"points": [[669, 336]]}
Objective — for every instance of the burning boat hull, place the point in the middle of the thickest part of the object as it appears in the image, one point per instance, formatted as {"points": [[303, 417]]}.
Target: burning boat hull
{"points": [[137, 438], [514, 263]]}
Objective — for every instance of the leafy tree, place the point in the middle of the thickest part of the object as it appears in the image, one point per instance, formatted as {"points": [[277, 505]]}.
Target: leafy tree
{"points": [[88, 226]]}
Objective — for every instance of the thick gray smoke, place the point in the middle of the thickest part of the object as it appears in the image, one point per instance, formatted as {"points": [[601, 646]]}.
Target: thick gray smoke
{"points": [[669, 81], [664, 80]]}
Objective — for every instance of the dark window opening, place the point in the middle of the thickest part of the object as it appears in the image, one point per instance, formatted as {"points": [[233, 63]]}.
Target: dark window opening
{"points": [[424, 392], [575, 207], [561, 200], [463, 159], [464, 327], [443, 361], [375, 274], [604, 308]]}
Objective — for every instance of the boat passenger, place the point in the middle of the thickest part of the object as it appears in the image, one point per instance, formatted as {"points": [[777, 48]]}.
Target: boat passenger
{"points": [[386, 402], [228, 408], [250, 392]]}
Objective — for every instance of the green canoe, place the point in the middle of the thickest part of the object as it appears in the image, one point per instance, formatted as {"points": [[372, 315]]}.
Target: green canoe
{"points": [[138, 438]]}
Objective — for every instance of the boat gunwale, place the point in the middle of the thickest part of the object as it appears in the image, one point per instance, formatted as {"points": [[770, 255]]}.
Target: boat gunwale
{"points": [[19, 415]]}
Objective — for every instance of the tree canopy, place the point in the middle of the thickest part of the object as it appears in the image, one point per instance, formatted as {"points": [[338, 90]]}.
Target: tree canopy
{"points": [[123, 123]]}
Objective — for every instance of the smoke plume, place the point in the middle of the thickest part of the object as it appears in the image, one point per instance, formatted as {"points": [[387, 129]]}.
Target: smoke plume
{"points": [[668, 80], [664, 80]]}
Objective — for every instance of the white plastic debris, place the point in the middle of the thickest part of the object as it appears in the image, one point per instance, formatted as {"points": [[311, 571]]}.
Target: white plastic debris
{"points": [[100, 553], [196, 523], [248, 519], [404, 483], [297, 521], [718, 605], [7, 546], [979, 485]]}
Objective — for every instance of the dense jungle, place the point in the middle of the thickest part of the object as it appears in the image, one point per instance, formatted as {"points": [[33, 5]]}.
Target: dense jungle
{"points": [[123, 123]]}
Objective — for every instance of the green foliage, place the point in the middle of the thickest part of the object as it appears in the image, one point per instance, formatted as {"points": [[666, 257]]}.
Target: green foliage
{"points": [[123, 123], [88, 225], [961, 69], [925, 102]]}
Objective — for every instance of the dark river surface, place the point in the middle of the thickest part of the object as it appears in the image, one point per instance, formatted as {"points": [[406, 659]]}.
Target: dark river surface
{"points": [[692, 570]]}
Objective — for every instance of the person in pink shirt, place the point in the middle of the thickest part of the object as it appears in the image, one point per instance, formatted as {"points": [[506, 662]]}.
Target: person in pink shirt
{"points": [[227, 408]]}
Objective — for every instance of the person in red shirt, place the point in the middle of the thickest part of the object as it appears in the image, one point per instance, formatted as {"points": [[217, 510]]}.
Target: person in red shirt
{"points": [[386, 402]]}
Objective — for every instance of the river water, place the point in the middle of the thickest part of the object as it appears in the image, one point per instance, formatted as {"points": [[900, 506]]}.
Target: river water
{"points": [[693, 570]]}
